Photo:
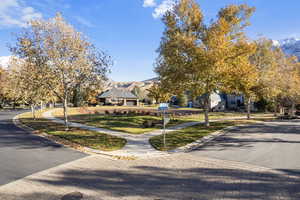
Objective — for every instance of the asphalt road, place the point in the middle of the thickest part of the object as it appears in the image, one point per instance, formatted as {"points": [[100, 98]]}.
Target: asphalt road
{"points": [[274, 145], [22, 154]]}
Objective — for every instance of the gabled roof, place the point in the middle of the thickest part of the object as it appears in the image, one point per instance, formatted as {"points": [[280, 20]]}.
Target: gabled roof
{"points": [[118, 93]]}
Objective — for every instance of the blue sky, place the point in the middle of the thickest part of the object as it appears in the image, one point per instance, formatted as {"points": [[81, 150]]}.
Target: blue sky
{"points": [[130, 30]]}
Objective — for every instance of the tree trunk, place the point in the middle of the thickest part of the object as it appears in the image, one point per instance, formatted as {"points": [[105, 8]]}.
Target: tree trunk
{"points": [[293, 109], [42, 105], [280, 110], [65, 105], [206, 109], [275, 109], [33, 111], [249, 108]]}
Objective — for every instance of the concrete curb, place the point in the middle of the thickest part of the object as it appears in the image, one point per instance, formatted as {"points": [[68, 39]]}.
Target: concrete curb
{"points": [[203, 141], [129, 156], [17, 123], [54, 140]]}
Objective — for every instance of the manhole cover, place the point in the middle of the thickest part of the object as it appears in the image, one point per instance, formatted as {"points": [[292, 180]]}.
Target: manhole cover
{"points": [[73, 196]]}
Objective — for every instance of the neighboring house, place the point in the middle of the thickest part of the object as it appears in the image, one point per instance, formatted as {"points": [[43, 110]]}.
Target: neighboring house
{"points": [[216, 103], [234, 102], [118, 97], [222, 102]]}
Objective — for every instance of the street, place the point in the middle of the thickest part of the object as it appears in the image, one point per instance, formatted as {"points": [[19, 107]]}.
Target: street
{"points": [[23, 154], [257, 161], [274, 145]]}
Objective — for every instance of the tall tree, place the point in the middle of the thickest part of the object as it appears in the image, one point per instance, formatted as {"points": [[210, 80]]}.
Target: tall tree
{"points": [[290, 82], [268, 60], [158, 93], [62, 56], [182, 100], [197, 57], [137, 91], [2, 84], [23, 84]]}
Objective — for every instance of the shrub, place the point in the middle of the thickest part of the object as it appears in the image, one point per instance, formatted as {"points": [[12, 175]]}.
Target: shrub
{"points": [[148, 124]]}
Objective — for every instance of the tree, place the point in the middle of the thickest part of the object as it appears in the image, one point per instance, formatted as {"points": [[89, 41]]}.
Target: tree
{"points": [[11, 90], [137, 91], [182, 100], [290, 82], [62, 57], [158, 93], [268, 60], [242, 79], [2, 84], [26, 84], [278, 75], [199, 58]]}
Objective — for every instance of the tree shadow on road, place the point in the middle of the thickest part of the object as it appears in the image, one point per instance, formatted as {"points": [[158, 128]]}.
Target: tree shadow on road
{"points": [[276, 127], [248, 136], [12, 136], [171, 183]]}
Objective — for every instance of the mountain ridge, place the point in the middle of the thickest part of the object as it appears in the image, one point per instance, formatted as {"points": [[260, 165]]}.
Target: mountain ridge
{"points": [[290, 46]]}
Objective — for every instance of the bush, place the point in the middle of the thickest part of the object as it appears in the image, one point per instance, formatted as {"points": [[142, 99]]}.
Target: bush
{"points": [[148, 124], [152, 123], [182, 100]]}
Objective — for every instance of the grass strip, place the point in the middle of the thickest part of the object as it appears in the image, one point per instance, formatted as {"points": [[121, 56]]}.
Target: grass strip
{"points": [[91, 139], [188, 135]]}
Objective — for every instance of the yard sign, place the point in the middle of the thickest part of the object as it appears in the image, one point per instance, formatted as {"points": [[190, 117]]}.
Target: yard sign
{"points": [[163, 107]]}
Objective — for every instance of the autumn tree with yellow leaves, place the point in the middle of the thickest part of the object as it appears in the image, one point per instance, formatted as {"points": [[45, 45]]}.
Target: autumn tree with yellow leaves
{"points": [[202, 58], [2, 86], [62, 57], [158, 93], [289, 74], [23, 84], [278, 77]]}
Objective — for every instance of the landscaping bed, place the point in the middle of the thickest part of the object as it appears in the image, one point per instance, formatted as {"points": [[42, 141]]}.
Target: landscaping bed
{"points": [[91, 139]]}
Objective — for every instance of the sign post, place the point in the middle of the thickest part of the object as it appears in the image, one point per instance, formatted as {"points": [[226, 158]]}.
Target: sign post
{"points": [[163, 107]]}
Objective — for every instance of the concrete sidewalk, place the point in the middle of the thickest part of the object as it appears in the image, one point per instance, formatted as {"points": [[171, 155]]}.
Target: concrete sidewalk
{"points": [[178, 177], [137, 146]]}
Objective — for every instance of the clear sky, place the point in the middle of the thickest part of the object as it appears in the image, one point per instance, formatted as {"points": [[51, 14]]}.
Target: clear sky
{"points": [[130, 30]]}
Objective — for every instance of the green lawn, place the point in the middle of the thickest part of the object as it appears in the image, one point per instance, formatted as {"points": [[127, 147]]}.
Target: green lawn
{"points": [[133, 124], [126, 124], [188, 135], [82, 137]]}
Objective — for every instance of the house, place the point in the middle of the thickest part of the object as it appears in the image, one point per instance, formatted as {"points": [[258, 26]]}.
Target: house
{"points": [[221, 101], [234, 102], [119, 97]]}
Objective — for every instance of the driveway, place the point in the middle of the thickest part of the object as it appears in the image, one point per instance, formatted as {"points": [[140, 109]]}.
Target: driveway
{"points": [[22, 154], [274, 145]]}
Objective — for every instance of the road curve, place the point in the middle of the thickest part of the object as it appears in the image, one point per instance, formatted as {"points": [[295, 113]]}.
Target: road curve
{"points": [[22, 154], [274, 145]]}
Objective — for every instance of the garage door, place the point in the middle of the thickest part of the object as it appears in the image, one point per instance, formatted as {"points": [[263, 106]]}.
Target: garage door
{"points": [[131, 103]]}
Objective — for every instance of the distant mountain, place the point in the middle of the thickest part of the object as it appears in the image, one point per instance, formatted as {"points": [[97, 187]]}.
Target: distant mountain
{"points": [[290, 46], [143, 85]]}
